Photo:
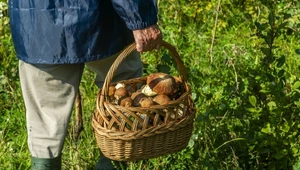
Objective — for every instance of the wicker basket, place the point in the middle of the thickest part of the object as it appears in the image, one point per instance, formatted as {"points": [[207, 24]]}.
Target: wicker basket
{"points": [[123, 135]]}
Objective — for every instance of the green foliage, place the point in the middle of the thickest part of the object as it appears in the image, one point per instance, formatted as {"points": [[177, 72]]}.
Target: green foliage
{"points": [[242, 63], [277, 95], [297, 165], [248, 98], [11, 107]]}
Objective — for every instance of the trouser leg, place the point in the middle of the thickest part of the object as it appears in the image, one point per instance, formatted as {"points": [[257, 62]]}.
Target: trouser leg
{"points": [[131, 67], [49, 92]]}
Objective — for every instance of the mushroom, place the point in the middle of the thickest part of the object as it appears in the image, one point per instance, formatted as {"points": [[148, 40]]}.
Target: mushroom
{"points": [[162, 83], [146, 102], [140, 99], [111, 91], [119, 85], [148, 91], [125, 101], [120, 92], [161, 99], [137, 97]]}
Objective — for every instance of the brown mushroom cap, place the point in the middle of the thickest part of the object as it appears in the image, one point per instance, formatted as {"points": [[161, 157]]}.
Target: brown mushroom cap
{"points": [[111, 90], [162, 83], [137, 97], [125, 101], [120, 92], [146, 102], [161, 99], [137, 94]]}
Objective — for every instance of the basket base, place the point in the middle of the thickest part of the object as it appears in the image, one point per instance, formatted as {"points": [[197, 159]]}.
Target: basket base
{"points": [[147, 147]]}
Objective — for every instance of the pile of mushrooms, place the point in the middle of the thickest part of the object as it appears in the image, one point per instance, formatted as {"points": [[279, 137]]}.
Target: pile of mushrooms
{"points": [[160, 89]]}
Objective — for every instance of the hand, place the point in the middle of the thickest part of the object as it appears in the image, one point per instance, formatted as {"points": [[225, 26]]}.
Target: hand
{"points": [[148, 39]]}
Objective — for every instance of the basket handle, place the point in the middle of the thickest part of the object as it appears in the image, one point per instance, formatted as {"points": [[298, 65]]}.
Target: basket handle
{"points": [[125, 53]]}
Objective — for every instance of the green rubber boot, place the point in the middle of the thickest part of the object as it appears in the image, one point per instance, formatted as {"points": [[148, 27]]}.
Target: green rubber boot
{"points": [[46, 163], [104, 163]]}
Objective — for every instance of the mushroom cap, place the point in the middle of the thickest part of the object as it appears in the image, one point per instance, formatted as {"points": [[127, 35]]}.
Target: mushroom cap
{"points": [[111, 90], [146, 102], [137, 97], [119, 85], [162, 83], [120, 92], [161, 99], [125, 101]]}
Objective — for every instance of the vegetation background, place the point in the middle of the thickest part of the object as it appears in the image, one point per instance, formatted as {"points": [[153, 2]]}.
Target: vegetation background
{"points": [[243, 63]]}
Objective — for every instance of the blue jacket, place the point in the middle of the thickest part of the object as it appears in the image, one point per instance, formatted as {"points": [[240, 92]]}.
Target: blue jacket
{"points": [[76, 31]]}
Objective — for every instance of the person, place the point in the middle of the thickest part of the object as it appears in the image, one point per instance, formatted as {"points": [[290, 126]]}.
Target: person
{"points": [[54, 40]]}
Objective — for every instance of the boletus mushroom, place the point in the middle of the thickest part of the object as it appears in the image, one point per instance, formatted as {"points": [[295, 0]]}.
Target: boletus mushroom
{"points": [[111, 91], [119, 85], [125, 101], [146, 102], [137, 97], [162, 83], [120, 93], [161, 99], [148, 91]]}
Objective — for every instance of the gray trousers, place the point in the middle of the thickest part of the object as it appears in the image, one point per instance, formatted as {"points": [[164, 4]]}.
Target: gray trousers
{"points": [[49, 92]]}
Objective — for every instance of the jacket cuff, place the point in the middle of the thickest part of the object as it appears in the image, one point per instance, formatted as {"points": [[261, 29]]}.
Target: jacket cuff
{"points": [[137, 14], [141, 25]]}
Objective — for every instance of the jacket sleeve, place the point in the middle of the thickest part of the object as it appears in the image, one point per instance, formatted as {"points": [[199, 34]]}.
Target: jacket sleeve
{"points": [[137, 14]]}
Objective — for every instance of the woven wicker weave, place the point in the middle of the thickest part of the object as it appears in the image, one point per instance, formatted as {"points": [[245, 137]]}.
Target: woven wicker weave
{"points": [[123, 134]]}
